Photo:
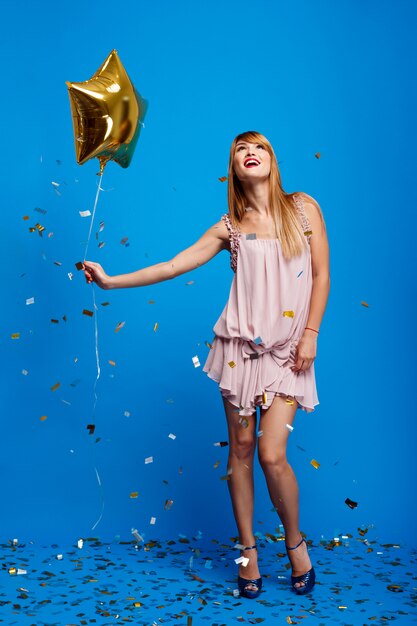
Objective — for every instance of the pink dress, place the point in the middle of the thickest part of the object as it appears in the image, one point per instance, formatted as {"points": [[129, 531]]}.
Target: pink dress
{"points": [[264, 318]]}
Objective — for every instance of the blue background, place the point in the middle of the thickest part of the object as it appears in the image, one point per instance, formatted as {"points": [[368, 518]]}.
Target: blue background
{"points": [[313, 77]]}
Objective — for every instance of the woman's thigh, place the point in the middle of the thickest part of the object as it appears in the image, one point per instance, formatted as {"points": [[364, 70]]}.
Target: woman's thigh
{"points": [[274, 422], [242, 430]]}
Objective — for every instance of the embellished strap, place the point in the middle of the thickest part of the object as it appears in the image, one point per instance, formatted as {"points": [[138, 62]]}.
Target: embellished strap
{"points": [[299, 203], [234, 241]]}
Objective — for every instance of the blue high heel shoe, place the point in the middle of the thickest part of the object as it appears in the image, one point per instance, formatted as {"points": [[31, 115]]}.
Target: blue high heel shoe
{"points": [[244, 582], [309, 578]]}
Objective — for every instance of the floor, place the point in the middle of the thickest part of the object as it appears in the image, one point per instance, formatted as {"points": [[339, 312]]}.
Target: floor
{"points": [[192, 581]]}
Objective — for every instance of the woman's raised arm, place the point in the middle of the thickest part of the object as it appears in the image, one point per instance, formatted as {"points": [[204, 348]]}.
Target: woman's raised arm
{"points": [[210, 243]]}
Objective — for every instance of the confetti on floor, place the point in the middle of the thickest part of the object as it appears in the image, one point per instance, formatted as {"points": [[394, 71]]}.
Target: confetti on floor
{"points": [[193, 581]]}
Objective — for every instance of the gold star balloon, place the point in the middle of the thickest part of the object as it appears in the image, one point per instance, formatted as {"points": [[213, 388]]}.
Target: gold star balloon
{"points": [[107, 114]]}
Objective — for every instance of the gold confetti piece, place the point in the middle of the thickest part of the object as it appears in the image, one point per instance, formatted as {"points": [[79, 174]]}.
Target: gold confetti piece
{"points": [[119, 326], [223, 179], [264, 398], [168, 504], [364, 303], [289, 620], [134, 494], [395, 588], [232, 363], [315, 464], [55, 387], [55, 321], [288, 313], [87, 312], [227, 477], [91, 428], [43, 418], [137, 604], [216, 465], [112, 362], [209, 345], [289, 400], [342, 607], [317, 155], [26, 217], [351, 504], [16, 336], [308, 232], [79, 265], [123, 241], [151, 301], [156, 326]]}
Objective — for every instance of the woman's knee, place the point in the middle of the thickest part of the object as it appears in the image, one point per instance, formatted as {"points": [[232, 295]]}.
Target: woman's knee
{"points": [[270, 457], [243, 446]]}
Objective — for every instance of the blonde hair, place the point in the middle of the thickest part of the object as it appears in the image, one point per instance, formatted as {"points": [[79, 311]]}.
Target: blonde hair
{"points": [[288, 227]]}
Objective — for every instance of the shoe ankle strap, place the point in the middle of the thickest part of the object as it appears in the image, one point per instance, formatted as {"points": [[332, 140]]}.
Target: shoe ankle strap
{"points": [[298, 544], [249, 548]]}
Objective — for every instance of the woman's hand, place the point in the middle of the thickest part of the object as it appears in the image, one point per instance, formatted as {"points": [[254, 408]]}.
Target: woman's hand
{"points": [[93, 272], [305, 353]]}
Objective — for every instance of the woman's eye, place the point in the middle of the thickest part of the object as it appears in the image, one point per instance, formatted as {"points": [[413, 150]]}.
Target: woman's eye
{"points": [[260, 146]]}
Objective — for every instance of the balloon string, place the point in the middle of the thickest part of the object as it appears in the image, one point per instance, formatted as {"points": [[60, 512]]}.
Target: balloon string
{"points": [[96, 342]]}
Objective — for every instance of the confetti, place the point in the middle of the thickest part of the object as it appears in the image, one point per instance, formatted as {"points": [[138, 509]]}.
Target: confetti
{"points": [[91, 428], [221, 444], [156, 326], [112, 362], [105, 303], [168, 504], [232, 364], [16, 336], [196, 361], [87, 312], [101, 244], [258, 340], [123, 241], [351, 504], [126, 413], [26, 217], [86, 213], [119, 326], [314, 463], [264, 398], [364, 304], [55, 184], [288, 313], [317, 155], [80, 543], [223, 179], [289, 400], [244, 422], [290, 428], [171, 436], [134, 494], [101, 228], [25, 372], [55, 387], [260, 433], [216, 465], [56, 262], [79, 265], [149, 459], [136, 534], [242, 559], [209, 345], [153, 520], [190, 282], [43, 418]]}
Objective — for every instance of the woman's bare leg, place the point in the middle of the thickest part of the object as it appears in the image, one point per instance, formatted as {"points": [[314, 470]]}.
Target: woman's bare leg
{"points": [[242, 444], [281, 481]]}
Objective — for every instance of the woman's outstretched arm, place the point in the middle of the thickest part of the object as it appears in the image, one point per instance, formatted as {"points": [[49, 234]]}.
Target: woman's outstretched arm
{"points": [[210, 243]]}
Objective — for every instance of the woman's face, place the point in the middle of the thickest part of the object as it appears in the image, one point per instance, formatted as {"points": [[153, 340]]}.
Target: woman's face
{"points": [[251, 161]]}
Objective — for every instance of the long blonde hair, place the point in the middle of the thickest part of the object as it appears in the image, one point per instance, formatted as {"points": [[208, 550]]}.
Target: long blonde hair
{"points": [[288, 228]]}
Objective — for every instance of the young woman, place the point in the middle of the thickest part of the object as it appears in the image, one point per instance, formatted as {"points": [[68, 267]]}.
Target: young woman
{"points": [[266, 337]]}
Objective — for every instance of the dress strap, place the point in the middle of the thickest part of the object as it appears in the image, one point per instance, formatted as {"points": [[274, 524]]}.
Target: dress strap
{"points": [[299, 203], [234, 238]]}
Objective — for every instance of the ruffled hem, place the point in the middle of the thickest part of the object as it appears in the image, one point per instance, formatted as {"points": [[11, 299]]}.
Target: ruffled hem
{"points": [[245, 384]]}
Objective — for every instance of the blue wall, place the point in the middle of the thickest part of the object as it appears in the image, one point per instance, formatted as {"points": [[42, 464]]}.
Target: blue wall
{"points": [[338, 79]]}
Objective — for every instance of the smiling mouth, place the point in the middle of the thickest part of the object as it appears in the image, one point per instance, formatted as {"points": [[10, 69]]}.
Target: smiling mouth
{"points": [[251, 163]]}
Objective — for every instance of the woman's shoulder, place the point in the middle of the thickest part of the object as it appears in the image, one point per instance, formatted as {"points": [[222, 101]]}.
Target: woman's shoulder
{"points": [[308, 203]]}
